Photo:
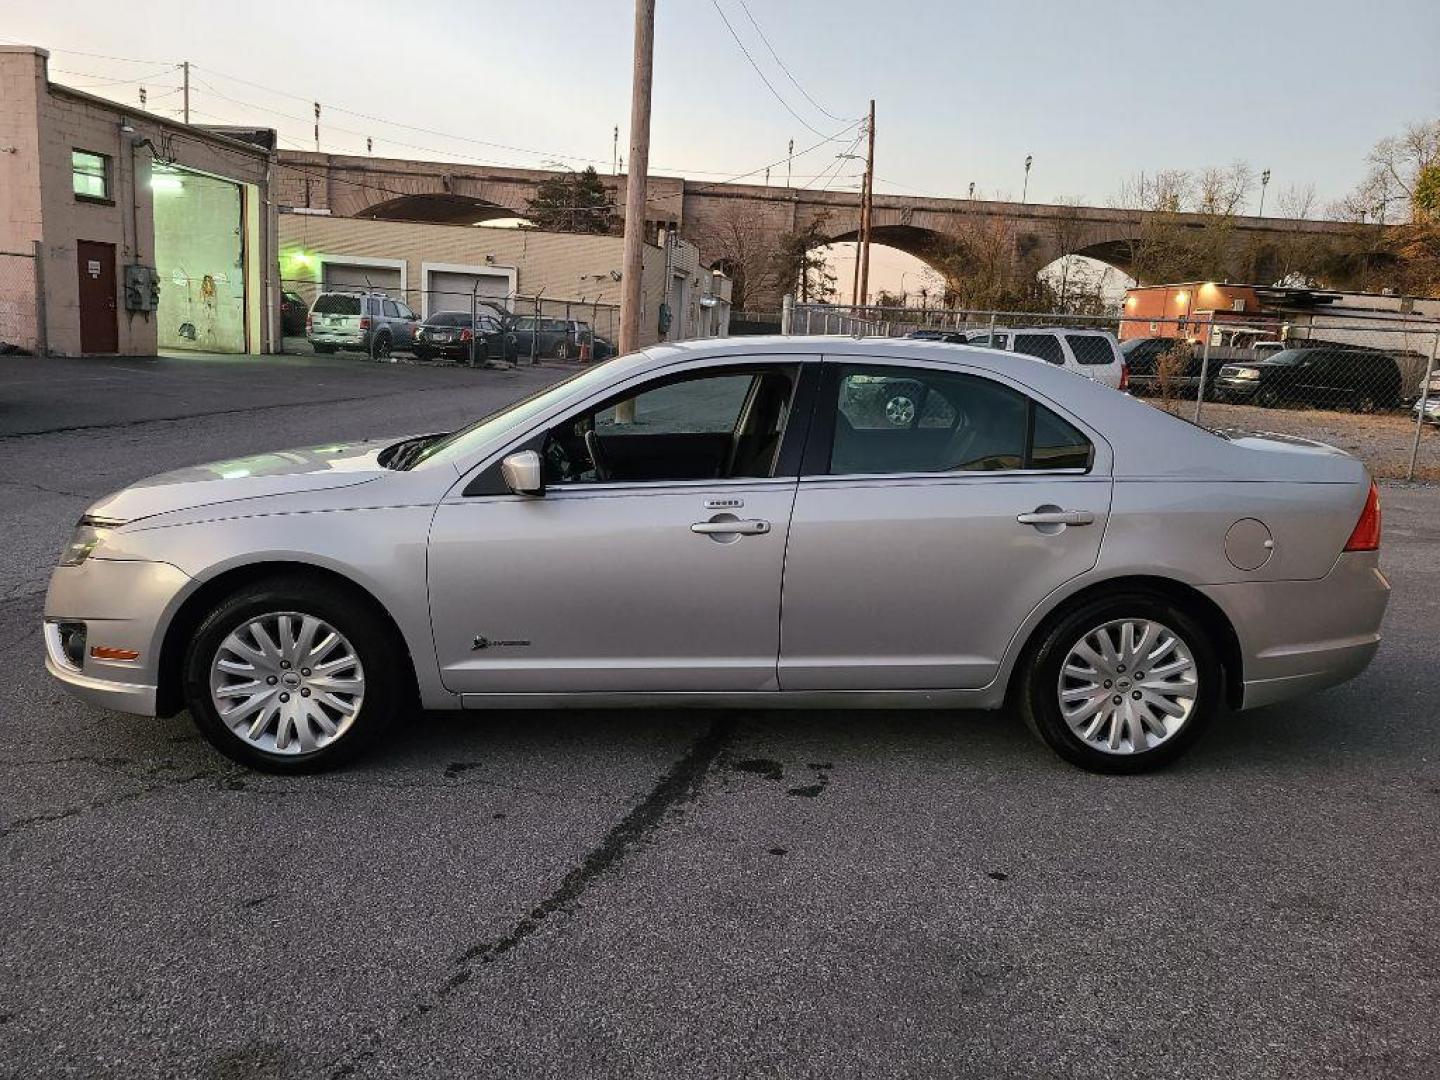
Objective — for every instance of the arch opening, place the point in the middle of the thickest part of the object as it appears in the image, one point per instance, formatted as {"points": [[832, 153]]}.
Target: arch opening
{"points": [[441, 208]]}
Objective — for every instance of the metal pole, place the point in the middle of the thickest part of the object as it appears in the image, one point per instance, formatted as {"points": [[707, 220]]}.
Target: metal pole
{"points": [[186, 67], [807, 320], [535, 334], [869, 215], [991, 341], [474, 327], [1420, 408], [787, 313], [633, 268], [1204, 372]]}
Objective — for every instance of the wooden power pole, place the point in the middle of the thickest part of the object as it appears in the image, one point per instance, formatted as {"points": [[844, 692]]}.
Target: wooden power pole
{"points": [[867, 210], [185, 97], [632, 270]]}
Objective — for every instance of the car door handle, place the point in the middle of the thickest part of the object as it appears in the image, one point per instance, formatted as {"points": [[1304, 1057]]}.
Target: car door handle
{"points": [[749, 527], [1056, 517]]}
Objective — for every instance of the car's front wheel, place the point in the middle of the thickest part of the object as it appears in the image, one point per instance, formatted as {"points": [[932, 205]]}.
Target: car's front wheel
{"points": [[1122, 685], [292, 675]]}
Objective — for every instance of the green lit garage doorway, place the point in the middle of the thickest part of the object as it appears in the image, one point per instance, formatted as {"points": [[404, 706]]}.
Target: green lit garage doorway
{"points": [[200, 254]]}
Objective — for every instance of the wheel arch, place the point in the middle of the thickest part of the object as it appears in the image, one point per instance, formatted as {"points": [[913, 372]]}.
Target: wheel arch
{"points": [[169, 693], [1195, 603]]}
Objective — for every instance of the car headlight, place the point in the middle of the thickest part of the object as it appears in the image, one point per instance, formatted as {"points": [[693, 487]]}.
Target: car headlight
{"points": [[1247, 373], [90, 532]]}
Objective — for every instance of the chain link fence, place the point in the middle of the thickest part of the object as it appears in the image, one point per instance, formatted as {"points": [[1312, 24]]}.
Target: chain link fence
{"points": [[534, 328], [1370, 386], [21, 306]]}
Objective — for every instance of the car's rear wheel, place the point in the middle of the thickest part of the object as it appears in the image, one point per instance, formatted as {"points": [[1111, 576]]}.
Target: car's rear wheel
{"points": [[292, 675], [380, 349], [1121, 685], [1267, 397], [562, 351], [1366, 402]]}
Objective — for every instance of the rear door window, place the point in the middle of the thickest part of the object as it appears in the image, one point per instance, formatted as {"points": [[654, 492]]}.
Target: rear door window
{"points": [[1044, 346], [918, 420], [390, 309], [1090, 348]]}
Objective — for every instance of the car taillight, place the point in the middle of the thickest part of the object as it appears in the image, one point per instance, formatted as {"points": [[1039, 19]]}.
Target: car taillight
{"points": [[364, 322], [1124, 376], [309, 323], [466, 334], [1366, 536]]}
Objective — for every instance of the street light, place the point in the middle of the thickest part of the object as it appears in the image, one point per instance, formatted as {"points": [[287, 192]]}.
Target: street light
{"points": [[1264, 183], [1025, 191], [972, 189]]}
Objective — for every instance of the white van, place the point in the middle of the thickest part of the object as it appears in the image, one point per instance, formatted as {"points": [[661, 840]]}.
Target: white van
{"points": [[1092, 353]]}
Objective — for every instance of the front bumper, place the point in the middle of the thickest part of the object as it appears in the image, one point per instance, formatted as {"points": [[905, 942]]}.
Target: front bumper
{"points": [[1237, 389], [125, 605], [1300, 636]]}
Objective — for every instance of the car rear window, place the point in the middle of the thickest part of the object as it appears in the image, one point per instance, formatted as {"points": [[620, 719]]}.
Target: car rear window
{"points": [[1091, 348], [337, 304], [1044, 346], [448, 318]]}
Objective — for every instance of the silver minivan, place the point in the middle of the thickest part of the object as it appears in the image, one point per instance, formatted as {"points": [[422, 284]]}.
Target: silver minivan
{"points": [[370, 322]]}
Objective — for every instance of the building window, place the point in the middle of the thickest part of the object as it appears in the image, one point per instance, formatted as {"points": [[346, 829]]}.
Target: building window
{"points": [[90, 175]]}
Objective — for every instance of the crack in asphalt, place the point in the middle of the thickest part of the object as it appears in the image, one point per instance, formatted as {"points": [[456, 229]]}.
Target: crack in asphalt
{"points": [[48, 490], [678, 786]]}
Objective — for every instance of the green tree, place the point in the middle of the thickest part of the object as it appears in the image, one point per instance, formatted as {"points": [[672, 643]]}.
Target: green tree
{"points": [[799, 263], [572, 202]]}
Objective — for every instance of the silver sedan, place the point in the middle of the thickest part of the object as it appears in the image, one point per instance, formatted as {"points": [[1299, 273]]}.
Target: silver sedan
{"points": [[752, 523]]}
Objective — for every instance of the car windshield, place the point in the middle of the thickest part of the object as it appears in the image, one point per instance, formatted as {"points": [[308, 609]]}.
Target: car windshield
{"points": [[1289, 356], [457, 444]]}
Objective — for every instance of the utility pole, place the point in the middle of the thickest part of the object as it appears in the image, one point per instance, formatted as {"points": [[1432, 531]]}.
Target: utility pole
{"points": [[615, 153], [317, 127], [1025, 191], [142, 97], [789, 161], [186, 96], [633, 265], [867, 210], [1264, 183]]}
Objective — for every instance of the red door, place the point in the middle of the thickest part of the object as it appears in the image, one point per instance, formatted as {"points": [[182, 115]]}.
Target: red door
{"points": [[99, 330]]}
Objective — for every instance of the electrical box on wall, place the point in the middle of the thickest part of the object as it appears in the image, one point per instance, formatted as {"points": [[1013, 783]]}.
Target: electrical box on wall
{"points": [[142, 288]]}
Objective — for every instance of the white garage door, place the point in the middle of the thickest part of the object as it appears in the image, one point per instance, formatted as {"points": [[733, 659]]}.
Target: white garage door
{"points": [[449, 290], [376, 278]]}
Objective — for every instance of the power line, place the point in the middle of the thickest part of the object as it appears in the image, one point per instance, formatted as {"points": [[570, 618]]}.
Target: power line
{"points": [[768, 84], [776, 57]]}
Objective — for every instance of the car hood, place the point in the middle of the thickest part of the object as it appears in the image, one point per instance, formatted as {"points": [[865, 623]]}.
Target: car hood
{"points": [[281, 472]]}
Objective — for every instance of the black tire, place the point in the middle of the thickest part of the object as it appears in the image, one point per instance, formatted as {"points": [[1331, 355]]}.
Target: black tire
{"points": [[323, 349], [561, 351], [1366, 402], [380, 347], [1038, 688], [1267, 397], [386, 686], [421, 352]]}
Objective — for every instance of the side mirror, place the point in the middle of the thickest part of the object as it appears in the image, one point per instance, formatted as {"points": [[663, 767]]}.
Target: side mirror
{"points": [[523, 474]]}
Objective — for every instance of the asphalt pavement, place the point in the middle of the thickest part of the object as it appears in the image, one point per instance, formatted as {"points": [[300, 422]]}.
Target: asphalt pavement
{"points": [[681, 894]]}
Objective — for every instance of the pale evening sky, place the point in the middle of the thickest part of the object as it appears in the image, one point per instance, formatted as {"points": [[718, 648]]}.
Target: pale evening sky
{"points": [[1096, 91]]}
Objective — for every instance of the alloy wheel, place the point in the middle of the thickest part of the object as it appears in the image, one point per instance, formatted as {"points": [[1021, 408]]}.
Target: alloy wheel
{"points": [[1128, 686], [287, 683]]}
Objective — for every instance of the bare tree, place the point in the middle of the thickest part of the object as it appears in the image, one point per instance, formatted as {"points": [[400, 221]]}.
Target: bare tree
{"points": [[744, 248]]}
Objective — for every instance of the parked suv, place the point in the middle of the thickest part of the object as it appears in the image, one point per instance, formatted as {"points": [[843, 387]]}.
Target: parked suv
{"points": [[1092, 353], [368, 321], [1142, 359], [560, 338], [1332, 378]]}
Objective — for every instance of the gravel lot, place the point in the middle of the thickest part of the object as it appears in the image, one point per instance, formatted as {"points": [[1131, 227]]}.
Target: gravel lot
{"points": [[1381, 440], [681, 893]]}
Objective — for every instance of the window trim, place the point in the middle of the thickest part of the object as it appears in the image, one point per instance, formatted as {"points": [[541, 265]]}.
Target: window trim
{"points": [[815, 462], [106, 162], [485, 481]]}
